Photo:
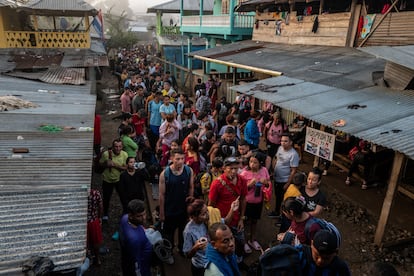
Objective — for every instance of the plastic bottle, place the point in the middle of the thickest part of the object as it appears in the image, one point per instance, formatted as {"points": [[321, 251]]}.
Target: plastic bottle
{"points": [[83, 129]]}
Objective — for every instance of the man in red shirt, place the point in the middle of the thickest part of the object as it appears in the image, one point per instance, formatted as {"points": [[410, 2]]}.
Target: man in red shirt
{"points": [[226, 189]]}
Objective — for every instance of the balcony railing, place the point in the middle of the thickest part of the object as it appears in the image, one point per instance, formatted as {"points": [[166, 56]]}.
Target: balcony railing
{"points": [[17, 39], [240, 21], [170, 30]]}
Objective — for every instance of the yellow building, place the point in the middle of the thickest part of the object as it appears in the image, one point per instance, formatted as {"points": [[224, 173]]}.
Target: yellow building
{"points": [[45, 24]]}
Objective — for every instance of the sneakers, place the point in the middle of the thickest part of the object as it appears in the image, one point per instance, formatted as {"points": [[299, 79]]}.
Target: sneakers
{"points": [[247, 249], [325, 172], [105, 218], [255, 245], [273, 214], [115, 236]]}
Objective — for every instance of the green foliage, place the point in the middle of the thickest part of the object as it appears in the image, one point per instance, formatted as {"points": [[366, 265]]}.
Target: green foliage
{"points": [[120, 35]]}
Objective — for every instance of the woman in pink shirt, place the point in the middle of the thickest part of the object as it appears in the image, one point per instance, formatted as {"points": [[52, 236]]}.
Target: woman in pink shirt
{"points": [[257, 177], [274, 130]]}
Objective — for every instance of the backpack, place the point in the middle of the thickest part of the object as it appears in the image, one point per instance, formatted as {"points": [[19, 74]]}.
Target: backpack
{"points": [[205, 106], [282, 259], [245, 104], [198, 191], [223, 112], [325, 225]]}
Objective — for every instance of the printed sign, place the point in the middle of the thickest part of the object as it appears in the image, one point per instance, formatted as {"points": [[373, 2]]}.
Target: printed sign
{"points": [[320, 143]]}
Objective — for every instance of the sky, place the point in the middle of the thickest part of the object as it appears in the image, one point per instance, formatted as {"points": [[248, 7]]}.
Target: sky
{"points": [[141, 6]]}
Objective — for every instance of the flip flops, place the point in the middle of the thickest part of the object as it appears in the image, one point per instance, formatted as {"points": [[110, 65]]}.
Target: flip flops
{"points": [[247, 249], [255, 245]]}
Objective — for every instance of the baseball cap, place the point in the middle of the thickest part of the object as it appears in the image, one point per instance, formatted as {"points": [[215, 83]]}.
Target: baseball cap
{"points": [[230, 161], [325, 242]]}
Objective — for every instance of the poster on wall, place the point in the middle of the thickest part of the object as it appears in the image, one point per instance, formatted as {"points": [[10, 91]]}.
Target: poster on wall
{"points": [[320, 143]]}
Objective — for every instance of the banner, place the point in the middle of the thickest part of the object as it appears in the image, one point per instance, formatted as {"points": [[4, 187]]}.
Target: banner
{"points": [[320, 143], [98, 24]]}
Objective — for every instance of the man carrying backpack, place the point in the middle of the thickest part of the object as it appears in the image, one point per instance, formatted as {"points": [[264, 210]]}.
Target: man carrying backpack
{"points": [[221, 111], [318, 259], [322, 256], [176, 185]]}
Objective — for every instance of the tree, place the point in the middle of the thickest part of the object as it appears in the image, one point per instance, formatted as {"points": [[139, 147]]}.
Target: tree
{"points": [[119, 32]]}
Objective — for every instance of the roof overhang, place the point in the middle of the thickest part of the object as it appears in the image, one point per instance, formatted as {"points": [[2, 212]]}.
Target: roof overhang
{"points": [[341, 67], [385, 117], [401, 55]]}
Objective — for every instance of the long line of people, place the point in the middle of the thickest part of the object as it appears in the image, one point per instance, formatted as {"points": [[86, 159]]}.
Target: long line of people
{"points": [[214, 179]]}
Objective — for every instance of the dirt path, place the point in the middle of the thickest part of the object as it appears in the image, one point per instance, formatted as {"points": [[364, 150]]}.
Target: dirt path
{"points": [[352, 212]]}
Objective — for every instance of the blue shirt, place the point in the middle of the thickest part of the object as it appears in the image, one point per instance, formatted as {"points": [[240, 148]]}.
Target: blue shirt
{"points": [[251, 133], [192, 233], [155, 115], [136, 249]]}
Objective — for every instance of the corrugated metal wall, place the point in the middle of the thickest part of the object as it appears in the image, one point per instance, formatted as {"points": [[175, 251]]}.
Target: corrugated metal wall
{"points": [[44, 192]]}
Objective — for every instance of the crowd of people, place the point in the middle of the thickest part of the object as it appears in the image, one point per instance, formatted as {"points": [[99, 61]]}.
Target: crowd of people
{"points": [[213, 175]]}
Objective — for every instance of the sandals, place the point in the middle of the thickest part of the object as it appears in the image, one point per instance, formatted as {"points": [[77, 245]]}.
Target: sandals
{"points": [[247, 249], [255, 245], [364, 185]]}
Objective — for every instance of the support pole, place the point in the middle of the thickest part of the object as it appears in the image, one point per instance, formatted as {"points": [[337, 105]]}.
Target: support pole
{"points": [[389, 197]]}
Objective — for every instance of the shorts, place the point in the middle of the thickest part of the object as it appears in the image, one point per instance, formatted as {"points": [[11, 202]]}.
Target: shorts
{"points": [[155, 130], [254, 210], [94, 232]]}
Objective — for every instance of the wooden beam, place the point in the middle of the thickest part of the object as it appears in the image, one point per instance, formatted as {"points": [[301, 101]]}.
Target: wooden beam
{"points": [[379, 23], [353, 23], [389, 197]]}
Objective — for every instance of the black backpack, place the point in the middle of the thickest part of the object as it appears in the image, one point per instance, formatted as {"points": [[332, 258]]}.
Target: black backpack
{"points": [[282, 259]]}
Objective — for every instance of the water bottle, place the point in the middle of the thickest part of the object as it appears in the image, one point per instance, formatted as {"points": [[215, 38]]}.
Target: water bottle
{"points": [[257, 189], [85, 129]]}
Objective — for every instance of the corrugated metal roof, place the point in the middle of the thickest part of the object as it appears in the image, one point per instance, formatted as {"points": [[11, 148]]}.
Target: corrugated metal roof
{"points": [[31, 61], [10, 3], [384, 121], [84, 60], [253, 5], [44, 192], [402, 55], [174, 6], [341, 67], [56, 75], [59, 5]]}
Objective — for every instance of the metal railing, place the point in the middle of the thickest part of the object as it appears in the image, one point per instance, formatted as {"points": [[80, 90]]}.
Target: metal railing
{"points": [[240, 21]]}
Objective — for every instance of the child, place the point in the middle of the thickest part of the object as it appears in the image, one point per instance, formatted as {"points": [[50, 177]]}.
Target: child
{"points": [[94, 228], [211, 175], [292, 191], [195, 236]]}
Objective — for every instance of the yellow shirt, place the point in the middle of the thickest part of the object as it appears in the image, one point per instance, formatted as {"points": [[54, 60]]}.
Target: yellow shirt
{"points": [[214, 215], [292, 190]]}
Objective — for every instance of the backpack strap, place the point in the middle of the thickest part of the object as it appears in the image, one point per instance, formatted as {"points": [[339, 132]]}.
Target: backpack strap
{"points": [[228, 187], [167, 172], [308, 225]]}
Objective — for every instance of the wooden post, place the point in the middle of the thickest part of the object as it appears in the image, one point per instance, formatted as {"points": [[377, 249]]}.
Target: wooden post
{"points": [[316, 158], [353, 23], [389, 197], [321, 3]]}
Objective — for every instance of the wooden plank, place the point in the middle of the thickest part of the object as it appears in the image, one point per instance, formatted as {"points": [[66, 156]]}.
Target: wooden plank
{"points": [[389, 197], [353, 23], [406, 192]]}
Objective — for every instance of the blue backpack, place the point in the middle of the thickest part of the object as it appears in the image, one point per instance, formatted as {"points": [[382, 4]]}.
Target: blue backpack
{"points": [[282, 259], [325, 225]]}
